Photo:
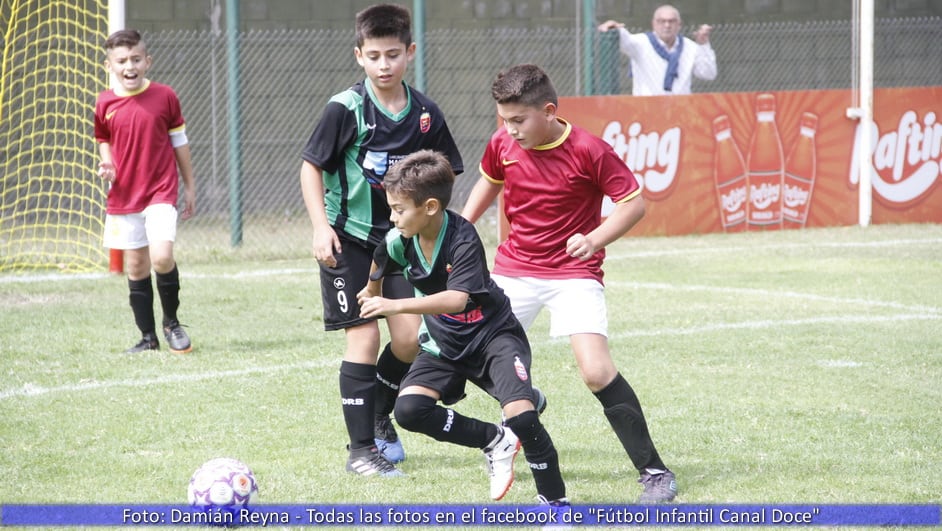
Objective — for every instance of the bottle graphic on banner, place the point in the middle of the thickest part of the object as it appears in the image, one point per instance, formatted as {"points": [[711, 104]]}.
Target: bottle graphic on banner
{"points": [[765, 169], [800, 172], [729, 172]]}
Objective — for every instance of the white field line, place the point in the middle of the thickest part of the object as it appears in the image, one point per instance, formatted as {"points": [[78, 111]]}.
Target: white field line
{"points": [[925, 312], [29, 390], [34, 390], [770, 247], [260, 273], [775, 294], [756, 325], [52, 277], [57, 277]]}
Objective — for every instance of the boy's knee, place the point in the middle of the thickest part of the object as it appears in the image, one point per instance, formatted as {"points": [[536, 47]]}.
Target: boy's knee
{"points": [[405, 350], [411, 410], [597, 379], [163, 263], [526, 425]]}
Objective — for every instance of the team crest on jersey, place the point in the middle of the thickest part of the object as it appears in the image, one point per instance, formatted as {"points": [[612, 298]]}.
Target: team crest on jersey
{"points": [[448, 268], [340, 283], [425, 122], [521, 370]]}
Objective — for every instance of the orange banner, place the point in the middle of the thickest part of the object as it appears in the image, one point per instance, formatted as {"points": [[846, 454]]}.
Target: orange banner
{"points": [[771, 160]]}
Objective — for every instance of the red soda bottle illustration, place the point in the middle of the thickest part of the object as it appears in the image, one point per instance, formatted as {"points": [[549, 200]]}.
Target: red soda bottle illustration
{"points": [[800, 170], [729, 172], [766, 170]]}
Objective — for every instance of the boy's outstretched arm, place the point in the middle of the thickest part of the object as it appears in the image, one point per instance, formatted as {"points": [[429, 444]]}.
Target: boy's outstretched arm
{"points": [[623, 217], [482, 196], [448, 301]]}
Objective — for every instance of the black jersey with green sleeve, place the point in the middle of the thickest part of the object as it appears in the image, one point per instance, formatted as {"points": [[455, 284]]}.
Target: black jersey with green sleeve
{"points": [[458, 263], [355, 143]]}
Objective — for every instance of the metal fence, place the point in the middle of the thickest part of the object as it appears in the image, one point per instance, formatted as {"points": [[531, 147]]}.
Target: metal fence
{"points": [[287, 76]]}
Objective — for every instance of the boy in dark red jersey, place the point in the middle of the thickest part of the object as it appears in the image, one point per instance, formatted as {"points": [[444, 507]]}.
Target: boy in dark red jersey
{"points": [[362, 133], [142, 141], [554, 176], [469, 332]]}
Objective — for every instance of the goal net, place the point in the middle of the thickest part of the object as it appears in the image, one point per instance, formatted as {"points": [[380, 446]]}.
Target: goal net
{"points": [[51, 199]]}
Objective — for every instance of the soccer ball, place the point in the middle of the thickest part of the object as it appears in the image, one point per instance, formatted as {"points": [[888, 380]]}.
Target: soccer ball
{"points": [[222, 483]]}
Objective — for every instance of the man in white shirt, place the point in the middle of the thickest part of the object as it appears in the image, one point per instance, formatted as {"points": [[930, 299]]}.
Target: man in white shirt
{"points": [[662, 60]]}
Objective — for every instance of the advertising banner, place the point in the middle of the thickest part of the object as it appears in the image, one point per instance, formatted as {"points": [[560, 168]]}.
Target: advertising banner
{"points": [[755, 161]]}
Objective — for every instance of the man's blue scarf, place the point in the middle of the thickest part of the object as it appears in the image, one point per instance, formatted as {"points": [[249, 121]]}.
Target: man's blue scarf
{"points": [[673, 59]]}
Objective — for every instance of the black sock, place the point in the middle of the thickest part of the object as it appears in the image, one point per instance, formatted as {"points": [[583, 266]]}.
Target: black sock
{"points": [[357, 381], [389, 373], [142, 304], [422, 414], [168, 287], [540, 453], [623, 411]]}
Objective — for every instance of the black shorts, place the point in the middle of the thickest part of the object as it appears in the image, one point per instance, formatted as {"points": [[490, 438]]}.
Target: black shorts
{"points": [[340, 285], [502, 370]]}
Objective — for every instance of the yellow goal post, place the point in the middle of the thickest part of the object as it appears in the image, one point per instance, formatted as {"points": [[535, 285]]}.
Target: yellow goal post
{"points": [[51, 199]]}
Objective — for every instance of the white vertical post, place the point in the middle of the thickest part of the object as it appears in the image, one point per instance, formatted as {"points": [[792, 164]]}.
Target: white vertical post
{"points": [[116, 21], [116, 17], [865, 162]]}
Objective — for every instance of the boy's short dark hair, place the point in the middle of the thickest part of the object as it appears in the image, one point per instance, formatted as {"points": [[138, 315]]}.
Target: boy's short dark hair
{"points": [[126, 38], [423, 175], [384, 20], [524, 84]]}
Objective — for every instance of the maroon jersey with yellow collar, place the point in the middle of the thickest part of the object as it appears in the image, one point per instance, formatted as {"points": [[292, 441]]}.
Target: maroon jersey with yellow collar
{"points": [[550, 193], [138, 127]]}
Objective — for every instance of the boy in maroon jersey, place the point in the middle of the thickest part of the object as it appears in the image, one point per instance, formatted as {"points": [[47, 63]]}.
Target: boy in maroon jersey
{"points": [[554, 176], [142, 141]]}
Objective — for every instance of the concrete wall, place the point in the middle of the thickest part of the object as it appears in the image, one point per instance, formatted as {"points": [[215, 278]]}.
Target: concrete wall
{"points": [[156, 15]]}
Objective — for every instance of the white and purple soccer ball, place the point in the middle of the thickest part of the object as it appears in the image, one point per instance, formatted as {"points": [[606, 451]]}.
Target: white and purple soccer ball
{"points": [[223, 483]]}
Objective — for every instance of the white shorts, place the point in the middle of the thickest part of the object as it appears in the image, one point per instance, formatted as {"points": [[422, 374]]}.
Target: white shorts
{"points": [[133, 231], [576, 306]]}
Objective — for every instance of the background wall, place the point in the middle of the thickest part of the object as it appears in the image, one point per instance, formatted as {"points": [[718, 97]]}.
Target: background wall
{"points": [[154, 15], [292, 55], [295, 54]]}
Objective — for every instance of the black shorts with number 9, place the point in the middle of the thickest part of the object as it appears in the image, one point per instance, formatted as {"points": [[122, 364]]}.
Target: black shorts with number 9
{"points": [[340, 285]]}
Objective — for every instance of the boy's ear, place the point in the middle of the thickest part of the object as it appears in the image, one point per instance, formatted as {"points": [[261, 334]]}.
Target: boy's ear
{"points": [[550, 109], [358, 54], [410, 51], [432, 206]]}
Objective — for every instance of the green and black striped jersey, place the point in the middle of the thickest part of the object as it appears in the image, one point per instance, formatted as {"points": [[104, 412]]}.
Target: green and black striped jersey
{"points": [[355, 143]]}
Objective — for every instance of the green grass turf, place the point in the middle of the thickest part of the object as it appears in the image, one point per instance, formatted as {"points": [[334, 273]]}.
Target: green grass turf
{"points": [[781, 367]]}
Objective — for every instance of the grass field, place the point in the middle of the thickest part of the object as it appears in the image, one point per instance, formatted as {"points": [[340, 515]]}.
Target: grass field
{"points": [[798, 366]]}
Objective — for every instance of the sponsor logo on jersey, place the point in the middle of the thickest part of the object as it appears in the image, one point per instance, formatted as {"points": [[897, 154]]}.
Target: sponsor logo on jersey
{"points": [[377, 162], [506, 162], [110, 115], [472, 316]]}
